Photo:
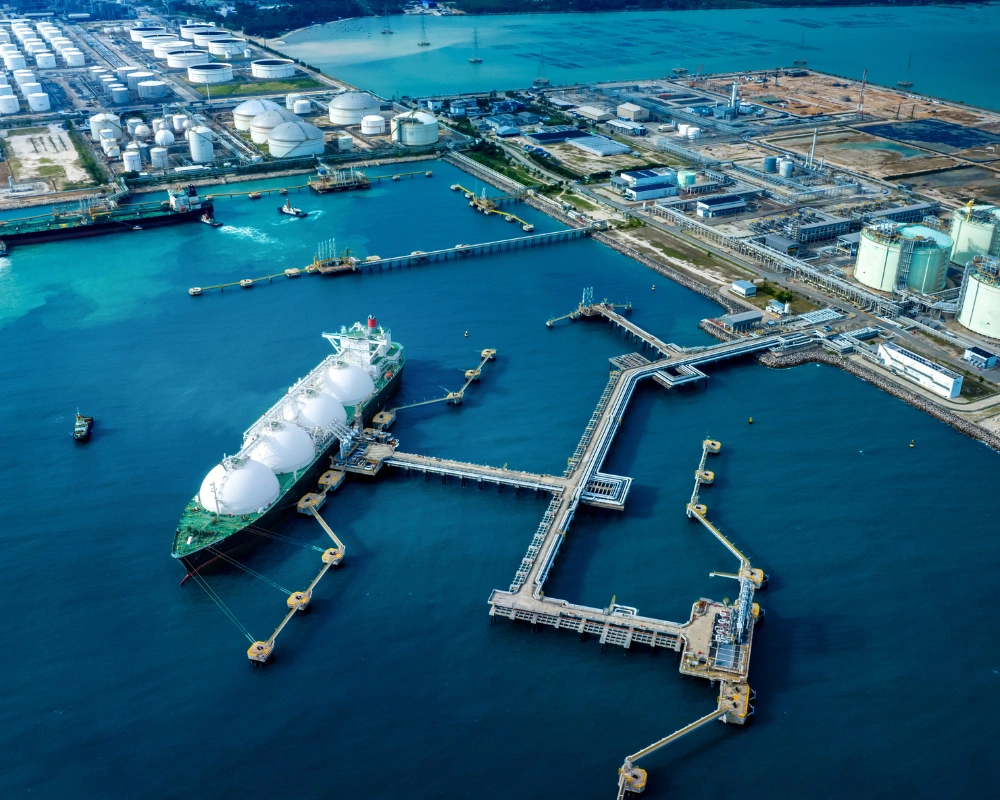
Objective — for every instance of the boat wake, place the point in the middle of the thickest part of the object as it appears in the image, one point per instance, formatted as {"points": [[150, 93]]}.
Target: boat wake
{"points": [[253, 234]]}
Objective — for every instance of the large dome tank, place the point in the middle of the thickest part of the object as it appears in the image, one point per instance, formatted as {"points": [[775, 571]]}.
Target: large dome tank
{"points": [[311, 409], [888, 250], [164, 137], [238, 486], [349, 108], [414, 128], [263, 124], [244, 113], [284, 448], [975, 231], [295, 139], [979, 306], [349, 383]]}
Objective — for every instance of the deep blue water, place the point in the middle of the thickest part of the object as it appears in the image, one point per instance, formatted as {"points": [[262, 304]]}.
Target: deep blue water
{"points": [[938, 48], [873, 670]]}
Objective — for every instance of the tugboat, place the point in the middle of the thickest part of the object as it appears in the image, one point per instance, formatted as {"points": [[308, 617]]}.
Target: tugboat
{"points": [[291, 211], [84, 425], [137, 228], [208, 219]]}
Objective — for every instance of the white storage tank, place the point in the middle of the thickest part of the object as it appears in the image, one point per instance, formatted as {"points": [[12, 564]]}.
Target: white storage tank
{"points": [[976, 232], [23, 76], [188, 31], [372, 125], [238, 486], [13, 61], [182, 59], [73, 58], [134, 78], [284, 448], [152, 90], [200, 145], [786, 168], [344, 143], [414, 129], [979, 304], [177, 122], [30, 87], [100, 122], [9, 104], [161, 51], [141, 131], [302, 107], [158, 125], [263, 124], [693, 133], [227, 48], [119, 94], [132, 161], [293, 139], [159, 158], [38, 101], [150, 42], [45, 61], [6, 49], [272, 68], [245, 112], [205, 37], [136, 33], [290, 100], [164, 138], [215, 72], [131, 124], [6, 90], [892, 256], [349, 108]]}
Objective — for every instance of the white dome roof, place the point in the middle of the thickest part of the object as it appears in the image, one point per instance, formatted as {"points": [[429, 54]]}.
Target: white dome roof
{"points": [[238, 488], [354, 101], [294, 132], [272, 118], [418, 116], [253, 107], [164, 137], [311, 409], [141, 131], [284, 449], [348, 383]]}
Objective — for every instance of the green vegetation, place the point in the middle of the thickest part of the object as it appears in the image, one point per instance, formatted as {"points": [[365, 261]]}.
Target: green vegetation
{"points": [[27, 131], [87, 160], [462, 125], [495, 158], [53, 171], [257, 87], [781, 295], [551, 166], [632, 222]]}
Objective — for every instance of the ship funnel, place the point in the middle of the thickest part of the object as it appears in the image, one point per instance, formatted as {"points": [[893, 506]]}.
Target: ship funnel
{"points": [[371, 324]]}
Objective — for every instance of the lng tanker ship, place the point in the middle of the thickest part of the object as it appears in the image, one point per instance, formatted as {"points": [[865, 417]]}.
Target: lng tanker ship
{"points": [[285, 451], [106, 217]]}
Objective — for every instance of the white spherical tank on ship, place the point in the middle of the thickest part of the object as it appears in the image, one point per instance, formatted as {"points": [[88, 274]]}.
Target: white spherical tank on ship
{"points": [[349, 383], [284, 448], [238, 486], [312, 409]]}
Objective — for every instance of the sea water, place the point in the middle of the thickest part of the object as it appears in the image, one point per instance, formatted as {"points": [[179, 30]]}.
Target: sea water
{"points": [[873, 670], [917, 44]]}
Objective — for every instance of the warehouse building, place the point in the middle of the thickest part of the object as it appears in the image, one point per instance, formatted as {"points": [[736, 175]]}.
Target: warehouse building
{"points": [[720, 206], [979, 358], [599, 146], [626, 127], [632, 113], [650, 191], [931, 376], [745, 321], [743, 289], [594, 114], [555, 134]]}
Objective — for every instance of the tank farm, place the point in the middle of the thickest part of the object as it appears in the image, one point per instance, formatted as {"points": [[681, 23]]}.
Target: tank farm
{"points": [[713, 643]]}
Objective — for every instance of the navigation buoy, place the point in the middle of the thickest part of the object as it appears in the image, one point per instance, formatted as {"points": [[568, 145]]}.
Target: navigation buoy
{"points": [[466, 334], [751, 420], [654, 288], [913, 442]]}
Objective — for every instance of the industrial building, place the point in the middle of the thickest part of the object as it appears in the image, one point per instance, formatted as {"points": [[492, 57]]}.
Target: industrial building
{"points": [[933, 377], [829, 228], [626, 127], [979, 358], [911, 213], [744, 321], [721, 205], [650, 191], [743, 288], [781, 243], [893, 256], [979, 303], [644, 177], [599, 146], [632, 113], [594, 114], [974, 231], [554, 134]]}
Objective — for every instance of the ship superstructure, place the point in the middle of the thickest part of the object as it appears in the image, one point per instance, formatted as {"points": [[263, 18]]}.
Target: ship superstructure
{"points": [[288, 445]]}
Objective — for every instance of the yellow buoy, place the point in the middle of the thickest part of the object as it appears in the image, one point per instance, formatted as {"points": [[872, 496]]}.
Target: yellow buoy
{"points": [[751, 420]]}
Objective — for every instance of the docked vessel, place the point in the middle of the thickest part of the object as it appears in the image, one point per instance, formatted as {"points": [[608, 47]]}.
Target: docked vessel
{"points": [[288, 448], [82, 427], [338, 180], [106, 217]]}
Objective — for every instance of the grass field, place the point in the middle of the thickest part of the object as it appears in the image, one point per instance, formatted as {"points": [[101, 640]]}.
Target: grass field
{"points": [[256, 87]]}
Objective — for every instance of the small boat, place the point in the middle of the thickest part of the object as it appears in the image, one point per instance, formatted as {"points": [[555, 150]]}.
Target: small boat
{"points": [[137, 228], [293, 272], [246, 283], [913, 442], [255, 195], [291, 211], [194, 291], [466, 333], [210, 221], [282, 192], [528, 228], [654, 288], [84, 425]]}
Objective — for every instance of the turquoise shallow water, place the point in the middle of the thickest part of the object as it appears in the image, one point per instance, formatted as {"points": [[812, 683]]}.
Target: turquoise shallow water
{"points": [[873, 669], [915, 44]]}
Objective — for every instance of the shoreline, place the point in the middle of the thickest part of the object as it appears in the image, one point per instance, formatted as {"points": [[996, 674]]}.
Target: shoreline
{"points": [[812, 354]]}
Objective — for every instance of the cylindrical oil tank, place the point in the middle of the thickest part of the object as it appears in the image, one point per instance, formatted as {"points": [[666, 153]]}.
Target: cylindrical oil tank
{"points": [[107, 82], [272, 68], [188, 31], [9, 104], [182, 59], [979, 309], [159, 158], [929, 260], [151, 90], [132, 161], [23, 76], [150, 42], [200, 144], [202, 39], [136, 33], [786, 168], [682, 130], [694, 133], [119, 94], [8, 49], [131, 124], [14, 61], [414, 128], [975, 231], [372, 125], [73, 58], [45, 61], [178, 120], [156, 125], [888, 249], [686, 177], [344, 143], [263, 124], [123, 72], [290, 100], [6, 89], [216, 72], [30, 87], [100, 122], [245, 112], [135, 78], [349, 108], [302, 107], [227, 48], [162, 50], [4, 37], [770, 164]]}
